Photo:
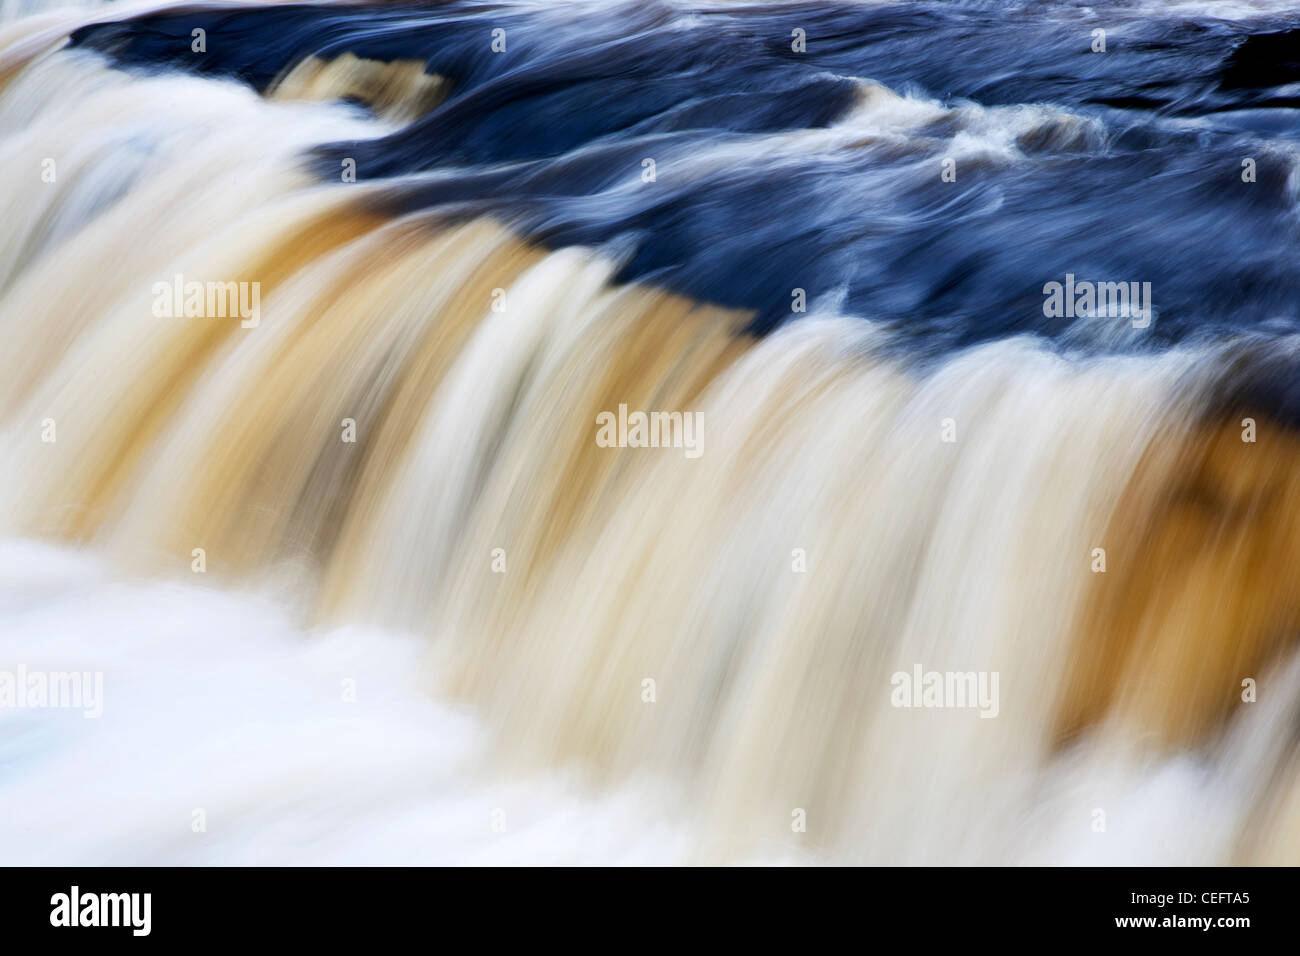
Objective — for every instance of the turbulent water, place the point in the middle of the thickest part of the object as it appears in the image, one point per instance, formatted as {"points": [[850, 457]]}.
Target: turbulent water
{"points": [[315, 319]]}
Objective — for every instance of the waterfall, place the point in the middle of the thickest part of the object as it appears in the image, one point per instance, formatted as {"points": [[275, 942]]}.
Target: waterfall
{"points": [[275, 429]]}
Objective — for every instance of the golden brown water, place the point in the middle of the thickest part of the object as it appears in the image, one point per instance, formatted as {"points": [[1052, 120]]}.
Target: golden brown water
{"points": [[828, 536]]}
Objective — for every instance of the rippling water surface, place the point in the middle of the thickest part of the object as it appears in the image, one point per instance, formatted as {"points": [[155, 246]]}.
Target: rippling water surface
{"points": [[961, 526]]}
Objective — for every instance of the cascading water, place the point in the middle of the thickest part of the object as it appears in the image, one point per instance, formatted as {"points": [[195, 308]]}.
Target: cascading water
{"points": [[319, 321]]}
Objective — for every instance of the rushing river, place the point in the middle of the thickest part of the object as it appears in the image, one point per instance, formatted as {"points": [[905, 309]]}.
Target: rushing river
{"points": [[643, 432]]}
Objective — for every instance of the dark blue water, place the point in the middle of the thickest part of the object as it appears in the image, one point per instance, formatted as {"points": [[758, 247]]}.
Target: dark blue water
{"points": [[1122, 166]]}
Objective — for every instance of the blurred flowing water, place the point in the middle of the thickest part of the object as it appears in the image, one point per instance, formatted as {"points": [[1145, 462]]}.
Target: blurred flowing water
{"points": [[439, 621]]}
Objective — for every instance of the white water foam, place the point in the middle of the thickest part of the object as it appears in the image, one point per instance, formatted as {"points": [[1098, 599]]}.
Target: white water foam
{"points": [[220, 702]]}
